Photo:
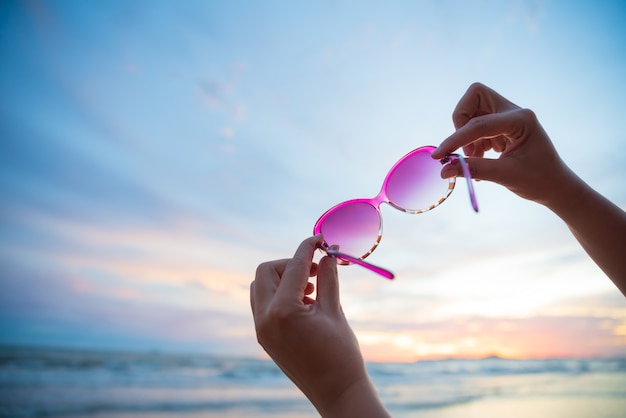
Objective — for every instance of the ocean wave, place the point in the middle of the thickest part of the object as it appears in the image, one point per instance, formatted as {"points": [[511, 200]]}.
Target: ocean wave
{"points": [[497, 366], [40, 383], [172, 407]]}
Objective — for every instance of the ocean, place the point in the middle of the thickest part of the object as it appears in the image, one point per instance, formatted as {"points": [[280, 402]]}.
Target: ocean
{"points": [[80, 383]]}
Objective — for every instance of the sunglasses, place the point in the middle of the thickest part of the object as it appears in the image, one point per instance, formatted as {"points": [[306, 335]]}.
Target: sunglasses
{"points": [[353, 229]]}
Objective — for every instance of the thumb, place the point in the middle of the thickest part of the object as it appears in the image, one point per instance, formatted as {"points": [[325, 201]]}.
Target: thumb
{"points": [[480, 169], [328, 282]]}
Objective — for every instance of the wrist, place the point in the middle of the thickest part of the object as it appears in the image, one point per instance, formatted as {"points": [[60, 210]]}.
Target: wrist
{"points": [[569, 194], [360, 398]]}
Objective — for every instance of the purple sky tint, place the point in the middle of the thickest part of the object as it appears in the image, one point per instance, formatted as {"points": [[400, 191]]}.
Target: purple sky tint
{"points": [[153, 153]]}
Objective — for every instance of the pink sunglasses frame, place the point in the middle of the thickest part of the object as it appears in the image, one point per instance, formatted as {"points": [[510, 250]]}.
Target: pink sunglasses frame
{"points": [[382, 197]]}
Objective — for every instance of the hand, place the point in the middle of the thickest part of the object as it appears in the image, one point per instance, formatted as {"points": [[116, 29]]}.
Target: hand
{"points": [[310, 339], [528, 165]]}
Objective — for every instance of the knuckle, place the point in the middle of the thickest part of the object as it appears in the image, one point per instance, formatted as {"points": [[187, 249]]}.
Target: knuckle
{"points": [[477, 87], [459, 119], [263, 268], [475, 123], [527, 116], [466, 108]]}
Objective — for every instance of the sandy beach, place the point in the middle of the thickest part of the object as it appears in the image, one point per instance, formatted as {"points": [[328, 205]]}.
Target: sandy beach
{"points": [[537, 407]]}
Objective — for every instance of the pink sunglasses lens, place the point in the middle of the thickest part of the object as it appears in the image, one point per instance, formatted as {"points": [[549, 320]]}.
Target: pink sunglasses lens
{"points": [[415, 182], [353, 226]]}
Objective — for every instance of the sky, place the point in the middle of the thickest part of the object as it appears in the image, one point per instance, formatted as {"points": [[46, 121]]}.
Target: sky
{"points": [[153, 153]]}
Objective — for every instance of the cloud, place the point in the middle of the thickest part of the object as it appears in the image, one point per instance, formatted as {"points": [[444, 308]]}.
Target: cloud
{"points": [[222, 95], [228, 131], [135, 205], [168, 302]]}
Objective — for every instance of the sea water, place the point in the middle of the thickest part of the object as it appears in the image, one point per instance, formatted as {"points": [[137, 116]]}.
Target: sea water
{"points": [[74, 383]]}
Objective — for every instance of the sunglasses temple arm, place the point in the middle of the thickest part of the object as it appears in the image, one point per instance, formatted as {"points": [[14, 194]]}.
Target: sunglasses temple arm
{"points": [[383, 272], [468, 177]]}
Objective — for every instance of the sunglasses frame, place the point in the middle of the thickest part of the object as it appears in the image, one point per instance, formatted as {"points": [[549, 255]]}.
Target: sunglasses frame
{"points": [[381, 197]]}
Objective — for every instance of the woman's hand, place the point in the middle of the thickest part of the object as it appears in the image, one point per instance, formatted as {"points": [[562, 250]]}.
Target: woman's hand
{"points": [[530, 167], [310, 339]]}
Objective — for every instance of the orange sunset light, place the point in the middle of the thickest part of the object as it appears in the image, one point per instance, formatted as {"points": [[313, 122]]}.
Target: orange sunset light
{"points": [[523, 338]]}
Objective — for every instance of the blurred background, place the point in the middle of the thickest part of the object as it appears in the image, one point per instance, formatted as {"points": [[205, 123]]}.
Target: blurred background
{"points": [[153, 153]]}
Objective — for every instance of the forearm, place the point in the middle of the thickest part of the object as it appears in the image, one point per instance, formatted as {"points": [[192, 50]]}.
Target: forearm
{"points": [[598, 225]]}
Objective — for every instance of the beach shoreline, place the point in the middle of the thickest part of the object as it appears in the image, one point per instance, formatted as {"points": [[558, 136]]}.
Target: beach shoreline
{"points": [[99, 384]]}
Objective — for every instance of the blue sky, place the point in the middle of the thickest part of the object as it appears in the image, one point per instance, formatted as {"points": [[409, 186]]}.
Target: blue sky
{"points": [[155, 152]]}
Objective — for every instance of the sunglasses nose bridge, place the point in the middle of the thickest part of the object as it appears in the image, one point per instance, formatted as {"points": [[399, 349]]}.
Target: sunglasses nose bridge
{"points": [[380, 198]]}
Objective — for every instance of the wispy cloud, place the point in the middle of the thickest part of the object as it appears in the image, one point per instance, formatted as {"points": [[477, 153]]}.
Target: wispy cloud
{"points": [[150, 160]]}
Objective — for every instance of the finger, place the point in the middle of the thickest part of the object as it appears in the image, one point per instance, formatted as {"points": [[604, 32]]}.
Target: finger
{"points": [[470, 150], [479, 100], [298, 270], [328, 283], [480, 169], [480, 147], [279, 266], [509, 124], [309, 288], [498, 144], [266, 282], [313, 271]]}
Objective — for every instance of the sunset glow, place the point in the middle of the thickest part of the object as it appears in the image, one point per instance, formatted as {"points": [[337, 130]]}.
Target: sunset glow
{"points": [[154, 153]]}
